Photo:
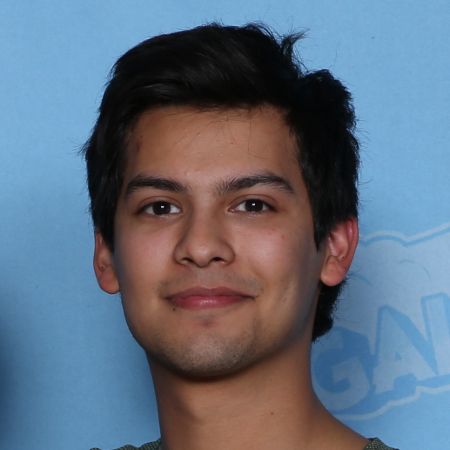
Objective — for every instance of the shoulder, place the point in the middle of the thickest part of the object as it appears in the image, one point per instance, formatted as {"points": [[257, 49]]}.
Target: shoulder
{"points": [[155, 445], [376, 444]]}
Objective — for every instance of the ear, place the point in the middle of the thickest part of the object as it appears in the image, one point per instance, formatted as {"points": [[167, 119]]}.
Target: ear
{"points": [[340, 247], [104, 266]]}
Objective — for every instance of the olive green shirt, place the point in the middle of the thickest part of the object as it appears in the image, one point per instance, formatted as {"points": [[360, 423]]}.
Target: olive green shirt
{"points": [[374, 444]]}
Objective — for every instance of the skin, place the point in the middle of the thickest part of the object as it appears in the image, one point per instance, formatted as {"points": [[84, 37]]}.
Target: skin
{"points": [[215, 200]]}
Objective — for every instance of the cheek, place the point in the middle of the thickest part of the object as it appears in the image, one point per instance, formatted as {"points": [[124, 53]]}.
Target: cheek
{"points": [[139, 258], [139, 267], [288, 265], [273, 252]]}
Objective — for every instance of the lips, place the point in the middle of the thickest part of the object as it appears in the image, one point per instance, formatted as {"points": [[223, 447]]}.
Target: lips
{"points": [[204, 298]]}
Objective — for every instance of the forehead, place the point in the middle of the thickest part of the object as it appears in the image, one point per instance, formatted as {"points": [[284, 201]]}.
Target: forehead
{"points": [[186, 141]]}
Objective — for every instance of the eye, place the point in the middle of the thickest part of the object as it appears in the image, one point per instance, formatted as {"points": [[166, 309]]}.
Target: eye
{"points": [[253, 205], [161, 208]]}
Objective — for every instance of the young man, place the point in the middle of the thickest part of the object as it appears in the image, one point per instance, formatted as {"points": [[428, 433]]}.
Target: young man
{"points": [[223, 194]]}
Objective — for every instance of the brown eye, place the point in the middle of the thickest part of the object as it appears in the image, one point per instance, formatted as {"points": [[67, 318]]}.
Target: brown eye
{"points": [[161, 208], [253, 205]]}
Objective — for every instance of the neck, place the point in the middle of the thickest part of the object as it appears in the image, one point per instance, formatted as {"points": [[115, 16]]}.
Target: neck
{"points": [[270, 405]]}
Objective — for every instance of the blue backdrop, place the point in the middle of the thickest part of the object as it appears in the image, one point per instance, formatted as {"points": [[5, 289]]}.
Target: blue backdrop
{"points": [[71, 377]]}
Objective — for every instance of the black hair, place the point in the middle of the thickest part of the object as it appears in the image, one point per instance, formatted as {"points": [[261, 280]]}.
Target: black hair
{"points": [[216, 66]]}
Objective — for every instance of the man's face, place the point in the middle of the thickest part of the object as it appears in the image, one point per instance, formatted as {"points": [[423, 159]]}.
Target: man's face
{"points": [[214, 253]]}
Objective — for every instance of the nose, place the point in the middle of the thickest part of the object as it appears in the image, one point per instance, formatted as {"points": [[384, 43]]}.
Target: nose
{"points": [[203, 242]]}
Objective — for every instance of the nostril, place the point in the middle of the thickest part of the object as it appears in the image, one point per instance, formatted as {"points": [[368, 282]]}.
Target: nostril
{"points": [[202, 243]]}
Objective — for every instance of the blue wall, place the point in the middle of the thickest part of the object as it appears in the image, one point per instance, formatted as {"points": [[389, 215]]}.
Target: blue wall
{"points": [[70, 375]]}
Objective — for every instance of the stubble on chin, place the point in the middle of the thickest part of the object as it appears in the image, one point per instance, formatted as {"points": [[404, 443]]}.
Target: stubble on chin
{"points": [[208, 356]]}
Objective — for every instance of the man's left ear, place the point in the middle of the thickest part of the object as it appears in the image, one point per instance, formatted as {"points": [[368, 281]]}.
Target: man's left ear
{"points": [[340, 247]]}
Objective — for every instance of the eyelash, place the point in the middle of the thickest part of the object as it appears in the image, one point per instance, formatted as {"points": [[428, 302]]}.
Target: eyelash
{"points": [[264, 205], [261, 206], [164, 203]]}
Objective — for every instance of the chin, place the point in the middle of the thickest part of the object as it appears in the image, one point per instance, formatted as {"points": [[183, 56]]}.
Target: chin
{"points": [[205, 360]]}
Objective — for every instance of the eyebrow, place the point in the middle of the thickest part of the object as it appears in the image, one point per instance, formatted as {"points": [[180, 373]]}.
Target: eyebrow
{"points": [[224, 187], [164, 184], [245, 182]]}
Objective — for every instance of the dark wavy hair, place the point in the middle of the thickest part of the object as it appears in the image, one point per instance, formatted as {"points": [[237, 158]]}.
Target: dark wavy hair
{"points": [[216, 66]]}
